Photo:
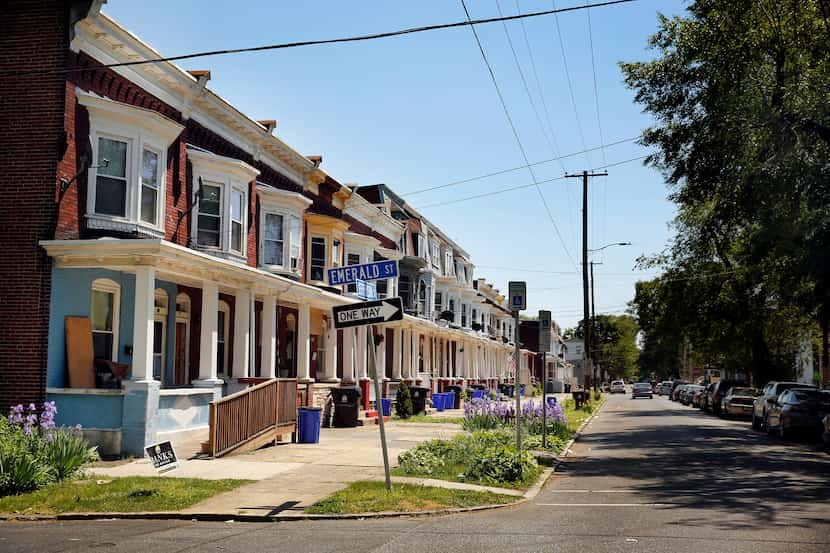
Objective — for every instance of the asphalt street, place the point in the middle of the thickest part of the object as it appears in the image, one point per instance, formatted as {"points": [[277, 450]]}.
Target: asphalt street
{"points": [[648, 475]]}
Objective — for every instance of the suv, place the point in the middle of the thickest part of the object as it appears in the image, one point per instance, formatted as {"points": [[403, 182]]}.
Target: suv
{"points": [[761, 407], [714, 397], [618, 387]]}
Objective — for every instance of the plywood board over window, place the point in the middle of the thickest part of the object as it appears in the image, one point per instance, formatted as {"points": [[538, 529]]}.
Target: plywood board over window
{"points": [[79, 352]]}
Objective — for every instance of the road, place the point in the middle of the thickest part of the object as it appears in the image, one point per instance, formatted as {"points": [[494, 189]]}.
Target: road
{"points": [[648, 475]]}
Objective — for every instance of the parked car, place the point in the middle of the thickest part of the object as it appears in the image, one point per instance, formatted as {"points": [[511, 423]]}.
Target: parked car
{"points": [[714, 401], [798, 410], [739, 401], [763, 402], [826, 435], [617, 387], [641, 389], [665, 388], [674, 388], [687, 395], [704, 400], [698, 396]]}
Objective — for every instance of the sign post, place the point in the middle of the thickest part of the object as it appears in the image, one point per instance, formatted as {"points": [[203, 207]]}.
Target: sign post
{"points": [[369, 313], [544, 346], [517, 290]]}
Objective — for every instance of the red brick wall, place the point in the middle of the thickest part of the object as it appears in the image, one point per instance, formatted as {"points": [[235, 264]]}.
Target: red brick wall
{"points": [[34, 37]]}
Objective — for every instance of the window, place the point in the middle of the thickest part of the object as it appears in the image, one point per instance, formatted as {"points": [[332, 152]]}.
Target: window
{"points": [[436, 254], [403, 291], [416, 244], [149, 186], [222, 321], [210, 216], [318, 259], [273, 243], [352, 259], [382, 288], [335, 253], [475, 315], [448, 263], [237, 222], [159, 320], [422, 298], [438, 301], [294, 232], [464, 314], [451, 306], [111, 177], [125, 191], [106, 296]]}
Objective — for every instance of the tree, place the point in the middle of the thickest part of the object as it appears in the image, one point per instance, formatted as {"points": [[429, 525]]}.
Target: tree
{"points": [[739, 94], [403, 401], [614, 343]]}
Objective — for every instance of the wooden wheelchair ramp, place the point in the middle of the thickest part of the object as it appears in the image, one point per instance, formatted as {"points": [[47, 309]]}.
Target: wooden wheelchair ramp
{"points": [[252, 417]]}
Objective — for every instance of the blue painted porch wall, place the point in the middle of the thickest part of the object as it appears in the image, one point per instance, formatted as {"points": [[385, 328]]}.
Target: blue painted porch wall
{"points": [[72, 297], [102, 412], [182, 412]]}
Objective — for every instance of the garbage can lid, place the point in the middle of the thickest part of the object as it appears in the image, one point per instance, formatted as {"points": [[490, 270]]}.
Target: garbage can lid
{"points": [[311, 408]]}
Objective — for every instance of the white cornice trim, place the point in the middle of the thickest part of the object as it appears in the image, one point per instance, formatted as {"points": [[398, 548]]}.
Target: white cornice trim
{"points": [[152, 121], [363, 240], [283, 198], [207, 161]]}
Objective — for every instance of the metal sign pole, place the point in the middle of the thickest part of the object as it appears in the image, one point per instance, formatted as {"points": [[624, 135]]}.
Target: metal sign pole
{"points": [[516, 386], [544, 402], [370, 337]]}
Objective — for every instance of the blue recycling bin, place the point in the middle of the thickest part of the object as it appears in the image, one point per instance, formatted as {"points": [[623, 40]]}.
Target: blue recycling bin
{"points": [[438, 401], [551, 401], [308, 425], [522, 390], [386, 406], [449, 400]]}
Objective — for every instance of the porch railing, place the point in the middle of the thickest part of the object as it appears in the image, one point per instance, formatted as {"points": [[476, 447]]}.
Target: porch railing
{"points": [[253, 417]]}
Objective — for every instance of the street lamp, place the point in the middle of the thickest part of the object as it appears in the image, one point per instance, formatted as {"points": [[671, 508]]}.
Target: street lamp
{"points": [[592, 322]]}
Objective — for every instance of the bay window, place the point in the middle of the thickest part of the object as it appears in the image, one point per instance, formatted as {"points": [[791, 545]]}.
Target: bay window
{"points": [[237, 220], [317, 259], [273, 243], [209, 228], [438, 302], [126, 182], [295, 231], [281, 229]]}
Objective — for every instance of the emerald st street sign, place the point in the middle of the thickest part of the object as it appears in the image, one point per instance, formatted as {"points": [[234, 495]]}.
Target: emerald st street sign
{"points": [[368, 313], [368, 271]]}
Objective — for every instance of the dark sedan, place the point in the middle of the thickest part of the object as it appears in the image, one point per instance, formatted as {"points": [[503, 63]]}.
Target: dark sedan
{"points": [[641, 389], [798, 410]]}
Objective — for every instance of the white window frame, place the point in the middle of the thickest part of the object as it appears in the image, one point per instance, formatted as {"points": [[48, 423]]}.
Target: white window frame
{"points": [[109, 286], [160, 316], [361, 258], [227, 187], [141, 129], [435, 252], [183, 317], [226, 309], [326, 255], [243, 222], [286, 238]]}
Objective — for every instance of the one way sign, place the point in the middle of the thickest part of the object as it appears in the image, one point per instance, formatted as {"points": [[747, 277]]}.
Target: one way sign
{"points": [[368, 313]]}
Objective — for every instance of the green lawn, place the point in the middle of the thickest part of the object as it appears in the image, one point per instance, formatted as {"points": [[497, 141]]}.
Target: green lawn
{"points": [[372, 497], [129, 494], [431, 419], [576, 417]]}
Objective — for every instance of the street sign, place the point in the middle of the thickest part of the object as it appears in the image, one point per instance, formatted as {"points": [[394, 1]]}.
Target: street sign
{"points": [[517, 292], [366, 290], [368, 313], [368, 271], [544, 330]]}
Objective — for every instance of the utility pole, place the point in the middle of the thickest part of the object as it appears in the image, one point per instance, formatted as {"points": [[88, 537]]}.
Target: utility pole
{"points": [[586, 356]]}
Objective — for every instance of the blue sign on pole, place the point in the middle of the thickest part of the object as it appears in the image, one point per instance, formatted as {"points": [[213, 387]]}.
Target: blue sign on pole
{"points": [[368, 271], [366, 290]]}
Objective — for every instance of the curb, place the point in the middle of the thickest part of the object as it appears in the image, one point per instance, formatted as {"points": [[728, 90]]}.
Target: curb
{"points": [[530, 494]]}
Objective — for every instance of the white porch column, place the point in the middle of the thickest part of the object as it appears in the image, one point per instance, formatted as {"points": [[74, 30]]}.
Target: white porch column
{"points": [[396, 353], [348, 354], [241, 334], [269, 336], [428, 355], [145, 293], [416, 354], [208, 336], [361, 351], [331, 352], [303, 342], [407, 354]]}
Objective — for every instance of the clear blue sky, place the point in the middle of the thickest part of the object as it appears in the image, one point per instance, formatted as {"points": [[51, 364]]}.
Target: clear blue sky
{"points": [[420, 111]]}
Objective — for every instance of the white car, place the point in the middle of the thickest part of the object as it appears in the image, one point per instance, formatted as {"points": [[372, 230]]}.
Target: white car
{"points": [[617, 387]]}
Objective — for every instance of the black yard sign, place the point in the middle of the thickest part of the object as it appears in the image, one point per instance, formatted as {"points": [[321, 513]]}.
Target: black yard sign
{"points": [[162, 456]]}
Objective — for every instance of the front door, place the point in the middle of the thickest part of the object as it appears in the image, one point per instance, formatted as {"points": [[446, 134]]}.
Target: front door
{"points": [[180, 374], [314, 354]]}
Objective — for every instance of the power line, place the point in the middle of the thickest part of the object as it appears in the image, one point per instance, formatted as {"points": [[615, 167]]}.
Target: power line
{"points": [[286, 45], [519, 187], [599, 122], [504, 171], [515, 133]]}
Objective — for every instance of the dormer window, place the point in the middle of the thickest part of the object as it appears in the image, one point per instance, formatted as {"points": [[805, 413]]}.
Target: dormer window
{"points": [[127, 179], [220, 189]]}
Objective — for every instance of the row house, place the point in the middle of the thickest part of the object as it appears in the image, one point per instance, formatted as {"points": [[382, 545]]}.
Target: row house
{"points": [[166, 249]]}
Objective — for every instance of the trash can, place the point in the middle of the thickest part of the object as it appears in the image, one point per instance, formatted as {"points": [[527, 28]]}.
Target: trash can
{"points": [[455, 390], [522, 390], [308, 425], [438, 401], [386, 404], [419, 398], [567, 388], [471, 393], [551, 401], [346, 406], [480, 386], [452, 400]]}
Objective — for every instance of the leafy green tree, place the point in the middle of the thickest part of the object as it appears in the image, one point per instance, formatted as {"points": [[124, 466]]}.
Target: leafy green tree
{"points": [[403, 403], [614, 340], [739, 95]]}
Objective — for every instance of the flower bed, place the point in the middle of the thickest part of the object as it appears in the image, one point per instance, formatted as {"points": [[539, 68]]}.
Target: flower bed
{"points": [[34, 452]]}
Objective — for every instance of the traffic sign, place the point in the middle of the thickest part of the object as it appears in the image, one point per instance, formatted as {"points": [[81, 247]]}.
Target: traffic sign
{"points": [[366, 290], [368, 271], [368, 313], [544, 330], [517, 292]]}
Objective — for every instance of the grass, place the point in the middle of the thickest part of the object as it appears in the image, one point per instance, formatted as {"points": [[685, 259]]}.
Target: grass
{"points": [[372, 497], [130, 494], [576, 417], [455, 473], [430, 419]]}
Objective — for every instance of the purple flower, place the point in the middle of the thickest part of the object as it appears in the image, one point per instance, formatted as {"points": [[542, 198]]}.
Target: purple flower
{"points": [[32, 407]]}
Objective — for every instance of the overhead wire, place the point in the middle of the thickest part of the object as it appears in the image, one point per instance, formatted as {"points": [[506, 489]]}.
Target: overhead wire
{"points": [[516, 134], [599, 123], [303, 43]]}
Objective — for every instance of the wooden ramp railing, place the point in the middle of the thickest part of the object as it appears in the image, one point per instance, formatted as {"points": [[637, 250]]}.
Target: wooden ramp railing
{"points": [[252, 417]]}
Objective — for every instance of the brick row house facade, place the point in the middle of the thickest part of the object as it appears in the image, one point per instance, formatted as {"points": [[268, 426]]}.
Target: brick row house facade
{"points": [[195, 244]]}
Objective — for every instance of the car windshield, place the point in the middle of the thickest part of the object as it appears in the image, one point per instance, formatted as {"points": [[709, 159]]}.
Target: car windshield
{"points": [[745, 392]]}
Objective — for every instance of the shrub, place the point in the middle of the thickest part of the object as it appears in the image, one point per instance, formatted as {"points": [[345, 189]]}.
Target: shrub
{"points": [[597, 394], [403, 403], [501, 464], [34, 453], [420, 461]]}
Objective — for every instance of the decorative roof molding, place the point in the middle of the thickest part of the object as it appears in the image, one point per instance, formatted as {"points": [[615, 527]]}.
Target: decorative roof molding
{"points": [[270, 195], [147, 119], [220, 164]]}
